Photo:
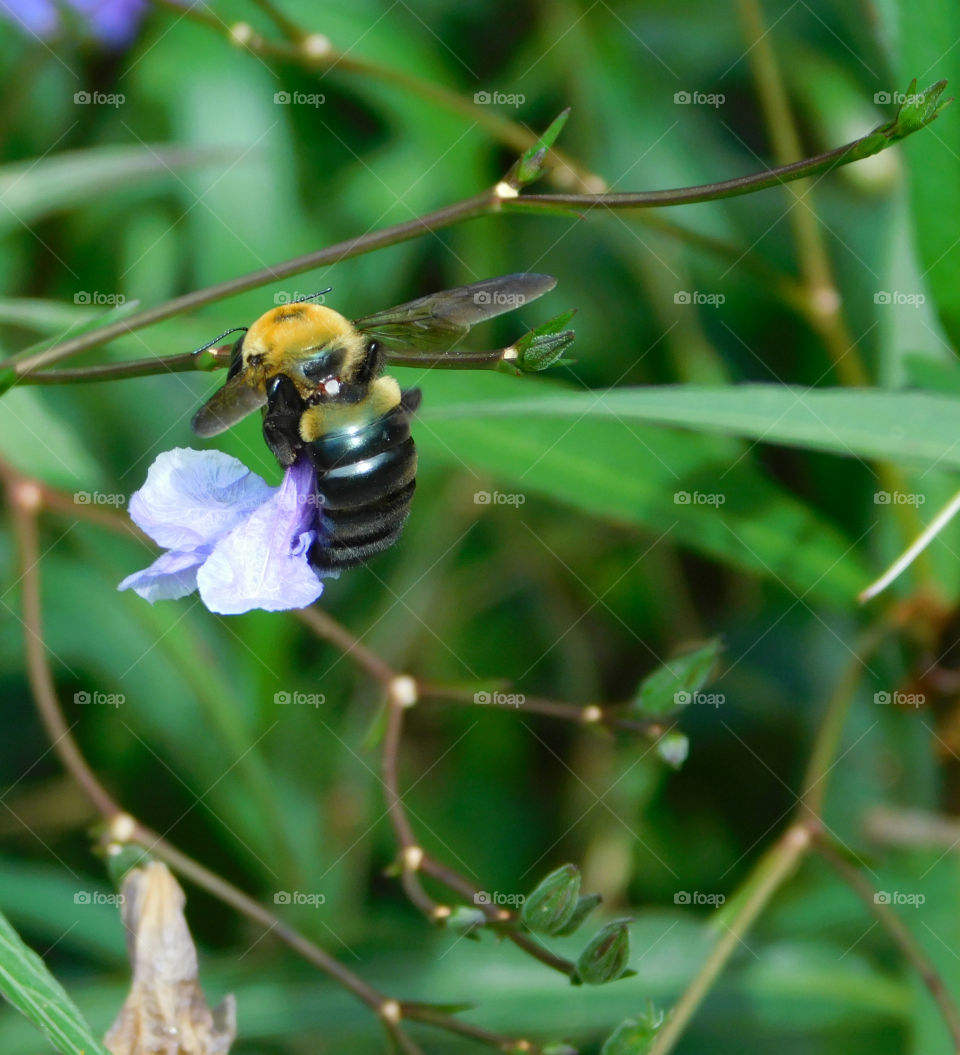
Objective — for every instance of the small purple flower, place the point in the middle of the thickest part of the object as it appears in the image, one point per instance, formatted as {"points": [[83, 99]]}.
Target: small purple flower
{"points": [[241, 543], [112, 22]]}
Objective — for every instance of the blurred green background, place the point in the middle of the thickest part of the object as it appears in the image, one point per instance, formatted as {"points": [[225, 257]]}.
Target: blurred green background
{"points": [[196, 174]]}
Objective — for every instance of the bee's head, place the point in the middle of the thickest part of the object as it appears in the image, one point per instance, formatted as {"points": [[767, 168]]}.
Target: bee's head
{"points": [[311, 344]]}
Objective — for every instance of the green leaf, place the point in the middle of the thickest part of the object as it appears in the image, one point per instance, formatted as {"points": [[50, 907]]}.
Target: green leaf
{"points": [[677, 680], [34, 188], [915, 428], [530, 166], [41, 443], [933, 160], [29, 986], [607, 465]]}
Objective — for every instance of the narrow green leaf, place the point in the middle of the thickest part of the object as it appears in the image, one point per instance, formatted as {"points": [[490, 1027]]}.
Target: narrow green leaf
{"points": [[679, 679], [34, 188], [29, 986], [903, 427]]}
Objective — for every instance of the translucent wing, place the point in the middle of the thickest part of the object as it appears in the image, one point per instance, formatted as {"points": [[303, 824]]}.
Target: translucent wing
{"points": [[227, 406], [439, 321]]}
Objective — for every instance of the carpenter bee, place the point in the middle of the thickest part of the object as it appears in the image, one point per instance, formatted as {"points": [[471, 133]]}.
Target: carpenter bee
{"points": [[319, 379]]}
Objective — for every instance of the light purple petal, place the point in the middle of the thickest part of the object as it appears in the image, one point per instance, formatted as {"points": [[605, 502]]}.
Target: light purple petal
{"points": [[113, 22], [171, 575], [36, 16], [195, 498], [263, 562]]}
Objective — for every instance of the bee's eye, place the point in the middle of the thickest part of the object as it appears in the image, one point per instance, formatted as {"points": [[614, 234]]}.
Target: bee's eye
{"points": [[323, 365]]}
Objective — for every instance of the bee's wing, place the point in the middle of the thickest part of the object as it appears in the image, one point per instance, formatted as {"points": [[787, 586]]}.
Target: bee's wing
{"points": [[437, 322], [227, 406]]}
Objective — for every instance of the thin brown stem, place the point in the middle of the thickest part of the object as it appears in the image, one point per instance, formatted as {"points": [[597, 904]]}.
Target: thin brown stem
{"points": [[499, 198], [24, 501], [898, 931], [317, 54]]}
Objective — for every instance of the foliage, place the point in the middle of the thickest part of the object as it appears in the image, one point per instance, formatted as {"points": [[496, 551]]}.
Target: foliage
{"points": [[758, 412]]}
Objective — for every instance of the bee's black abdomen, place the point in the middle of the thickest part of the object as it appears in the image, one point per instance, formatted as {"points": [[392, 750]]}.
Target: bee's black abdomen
{"points": [[366, 477]]}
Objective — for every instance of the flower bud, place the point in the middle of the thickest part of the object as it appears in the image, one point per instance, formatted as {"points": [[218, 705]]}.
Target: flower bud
{"points": [[605, 957], [553, 902]]}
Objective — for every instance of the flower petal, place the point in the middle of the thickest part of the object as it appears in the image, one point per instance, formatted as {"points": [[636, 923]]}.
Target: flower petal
{"points": [[195, 498], [171, 575], [263, 562]]}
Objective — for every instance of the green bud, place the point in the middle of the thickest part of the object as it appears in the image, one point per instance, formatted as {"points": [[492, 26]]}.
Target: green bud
{"points": [[585, 905], [559, 1049], [553, 902], [634, 1036], [673, 748], [605, 957], [543, 347], [530, 165], [676, 681], [918, 109]]}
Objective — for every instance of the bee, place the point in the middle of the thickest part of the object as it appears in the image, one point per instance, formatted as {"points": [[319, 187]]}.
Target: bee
{"points": [[320, 382]]}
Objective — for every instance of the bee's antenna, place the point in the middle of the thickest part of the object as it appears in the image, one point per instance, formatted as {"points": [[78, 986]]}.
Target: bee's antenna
{"points": [[313, 296], [210, 344]]}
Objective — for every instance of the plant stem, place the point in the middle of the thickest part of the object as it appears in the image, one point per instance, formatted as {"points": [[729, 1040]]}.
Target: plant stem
{"points": [[467, 209], [301, 50], [207, 360], [772, 870], [898, 931], [494, 200], [823, 297]]}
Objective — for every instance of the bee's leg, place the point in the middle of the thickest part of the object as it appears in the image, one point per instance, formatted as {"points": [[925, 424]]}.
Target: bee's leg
{"points": [[410, 399], [372, 366], [281, 421]]}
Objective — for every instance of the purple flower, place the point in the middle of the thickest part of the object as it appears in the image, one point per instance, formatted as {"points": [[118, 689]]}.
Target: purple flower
{"points": [[241, 543], [112, 22]]}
